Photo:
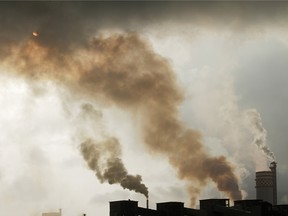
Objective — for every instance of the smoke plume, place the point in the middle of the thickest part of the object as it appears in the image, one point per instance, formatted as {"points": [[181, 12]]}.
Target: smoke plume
{"points": [[77, 51], [105, 159], [259, 132], [122, 70]]}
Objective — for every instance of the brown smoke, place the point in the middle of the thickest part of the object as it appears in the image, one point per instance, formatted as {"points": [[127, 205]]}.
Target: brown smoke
{"points": [[123, 71], [104, 159], [165, 134]]}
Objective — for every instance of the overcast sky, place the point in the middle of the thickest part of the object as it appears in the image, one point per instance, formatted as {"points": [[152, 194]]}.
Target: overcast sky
{"points": [[214, 70]]}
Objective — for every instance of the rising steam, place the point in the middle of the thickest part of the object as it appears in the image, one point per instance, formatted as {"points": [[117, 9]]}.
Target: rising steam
{"points": [[253, 118], [123, 71]]}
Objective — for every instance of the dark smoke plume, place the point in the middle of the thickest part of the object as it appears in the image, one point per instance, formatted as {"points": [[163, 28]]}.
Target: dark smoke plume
{"points": [[118, 70], [122, 70], [104, 159]]}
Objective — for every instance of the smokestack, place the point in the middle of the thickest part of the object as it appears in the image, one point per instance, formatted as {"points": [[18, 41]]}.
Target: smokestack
{"points": [[266, 185], [147, 203], [272, 167]]}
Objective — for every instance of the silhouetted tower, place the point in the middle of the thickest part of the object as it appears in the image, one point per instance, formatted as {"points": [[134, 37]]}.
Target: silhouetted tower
{"points": [[273, 166], [266, 185]]}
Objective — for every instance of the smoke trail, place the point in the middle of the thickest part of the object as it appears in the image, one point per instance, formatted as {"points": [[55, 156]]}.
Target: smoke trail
{"points": [[260, 134], [104, 158], [123, 71], [187, 153]]}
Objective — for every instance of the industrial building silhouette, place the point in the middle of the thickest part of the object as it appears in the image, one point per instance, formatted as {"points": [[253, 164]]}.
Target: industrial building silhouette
{"points": [[208, 207], [265, 203]]}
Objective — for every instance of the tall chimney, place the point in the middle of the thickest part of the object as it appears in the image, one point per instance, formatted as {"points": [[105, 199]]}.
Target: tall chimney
{"points": [[147, 203], [266, 184], [273, 166]]}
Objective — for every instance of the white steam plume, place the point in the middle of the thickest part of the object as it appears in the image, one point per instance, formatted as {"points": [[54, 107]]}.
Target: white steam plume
{"points": [[254, 121]]}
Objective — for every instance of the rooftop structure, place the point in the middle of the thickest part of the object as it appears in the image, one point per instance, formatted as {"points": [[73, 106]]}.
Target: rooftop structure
{"points": [[53, 213], [208, 207]]}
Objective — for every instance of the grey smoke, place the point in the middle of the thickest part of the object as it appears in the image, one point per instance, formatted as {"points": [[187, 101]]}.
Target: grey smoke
{"points": [[104, 158], [254, 120], [64, 27], [122, 70]]}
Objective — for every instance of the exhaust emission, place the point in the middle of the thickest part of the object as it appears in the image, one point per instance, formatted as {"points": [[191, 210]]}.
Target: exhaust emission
{"points": [[123, 71]]}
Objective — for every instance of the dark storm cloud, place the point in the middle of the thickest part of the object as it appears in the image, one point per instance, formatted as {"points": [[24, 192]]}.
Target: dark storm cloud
{"points": [[64, 25]]}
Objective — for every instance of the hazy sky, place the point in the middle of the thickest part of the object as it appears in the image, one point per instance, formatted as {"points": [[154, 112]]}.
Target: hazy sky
{"points": [[165, 89]]}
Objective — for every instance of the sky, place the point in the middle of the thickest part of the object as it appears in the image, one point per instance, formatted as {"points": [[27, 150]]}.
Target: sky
{"points": [[178, 101]]}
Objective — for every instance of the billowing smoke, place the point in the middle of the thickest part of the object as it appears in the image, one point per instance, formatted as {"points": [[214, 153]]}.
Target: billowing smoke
{"points": [[105, 159], [253, 118], [164, 133], [103, 153], [76, 49], [123, 71]]}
